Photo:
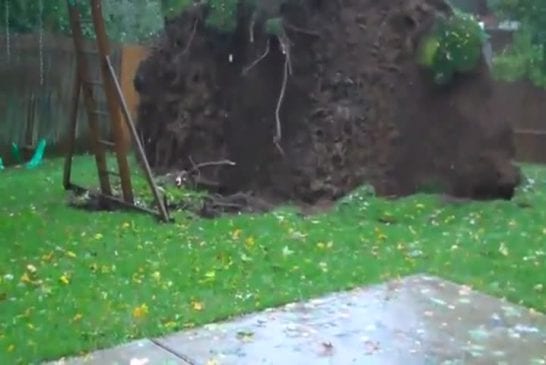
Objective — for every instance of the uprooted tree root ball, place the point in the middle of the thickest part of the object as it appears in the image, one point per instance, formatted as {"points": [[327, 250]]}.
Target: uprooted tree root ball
{"points": [[335, 100]]}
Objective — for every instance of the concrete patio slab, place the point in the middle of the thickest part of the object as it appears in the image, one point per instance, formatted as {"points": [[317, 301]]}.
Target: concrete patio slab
{"points": [[418, 320], [143, 352]]}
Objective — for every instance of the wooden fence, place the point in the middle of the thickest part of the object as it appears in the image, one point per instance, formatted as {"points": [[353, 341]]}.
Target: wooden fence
{"points": [[524, 104], [36, 85]]}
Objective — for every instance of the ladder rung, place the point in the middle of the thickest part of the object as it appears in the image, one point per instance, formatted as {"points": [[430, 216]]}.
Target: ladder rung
{"points": [[107, 143], [110, 172], [93, 82], [99, 112], [88, 51]]}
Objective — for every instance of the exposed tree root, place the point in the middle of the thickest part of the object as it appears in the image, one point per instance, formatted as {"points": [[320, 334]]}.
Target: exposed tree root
{"points": [[192, 36], [278, 125], [247, 69], [296, 29]]}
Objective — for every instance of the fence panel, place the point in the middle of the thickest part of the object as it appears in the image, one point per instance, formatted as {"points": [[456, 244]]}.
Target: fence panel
{"points": [[36, 81]]}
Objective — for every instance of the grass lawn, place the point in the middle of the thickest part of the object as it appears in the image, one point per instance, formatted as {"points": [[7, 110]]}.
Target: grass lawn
{"points": [[73, 281]]}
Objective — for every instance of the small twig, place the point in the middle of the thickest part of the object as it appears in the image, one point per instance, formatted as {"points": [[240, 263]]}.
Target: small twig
{"points": [[193, 164], [192, 36], [258, 60], [278, 132]]}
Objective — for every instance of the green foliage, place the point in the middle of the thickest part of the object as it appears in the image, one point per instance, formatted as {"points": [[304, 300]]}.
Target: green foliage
{"points": [[523, 60], [223, 15], [454, 46], [274, 26], [24, 16], [126, 20], [170, 8], [526, 58]]}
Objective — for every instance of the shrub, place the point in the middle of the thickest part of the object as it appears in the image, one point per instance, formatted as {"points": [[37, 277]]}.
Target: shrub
{"points": [[453, 46]]}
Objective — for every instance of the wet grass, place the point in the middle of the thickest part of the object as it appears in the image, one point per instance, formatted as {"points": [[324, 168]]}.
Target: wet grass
{"points": [[73, 281]]}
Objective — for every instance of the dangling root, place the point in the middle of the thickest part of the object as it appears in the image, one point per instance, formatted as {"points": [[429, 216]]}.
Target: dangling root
{"points": [[192, 36], [278, 132], [247, 69], [287, 70], [251, 27]]}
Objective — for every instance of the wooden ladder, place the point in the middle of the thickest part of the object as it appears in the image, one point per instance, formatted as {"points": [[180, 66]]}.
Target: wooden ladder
{"points": [[117, 106]]}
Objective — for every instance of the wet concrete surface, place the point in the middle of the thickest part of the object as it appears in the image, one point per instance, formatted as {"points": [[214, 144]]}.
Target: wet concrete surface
{"points": [[142, 352], [418, 320]]}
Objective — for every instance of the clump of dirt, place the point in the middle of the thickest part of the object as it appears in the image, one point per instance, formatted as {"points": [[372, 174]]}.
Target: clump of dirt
{"points": [[356, 108]]}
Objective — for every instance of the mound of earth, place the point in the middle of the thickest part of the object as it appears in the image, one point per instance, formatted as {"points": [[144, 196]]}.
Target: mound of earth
{"points": [[356, 107]]}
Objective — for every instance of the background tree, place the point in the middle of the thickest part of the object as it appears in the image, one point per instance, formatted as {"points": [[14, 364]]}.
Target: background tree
{"points": [[526, 58], [126, 20]]}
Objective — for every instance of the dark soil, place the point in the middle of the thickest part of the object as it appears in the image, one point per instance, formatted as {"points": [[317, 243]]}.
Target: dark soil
{"points": [[357, 109]]}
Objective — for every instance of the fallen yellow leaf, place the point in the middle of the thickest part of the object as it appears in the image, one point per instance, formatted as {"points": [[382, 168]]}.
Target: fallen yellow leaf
{"points": [[125, 225], [65, 279], [31, 269], [210, 275], [250, 241], [156, 275], [197, 306], [140, 311], [77, 317], [70, 254], [98, 236], [25, 278], [503, 249], [236, 234], [170, 325]]}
